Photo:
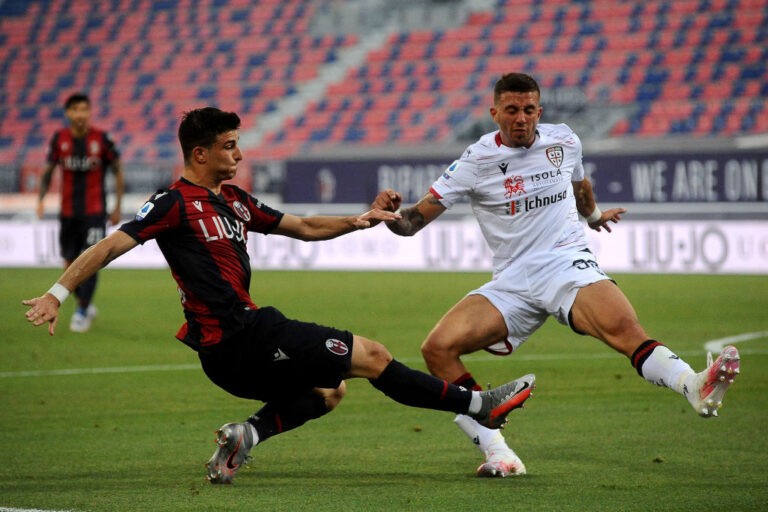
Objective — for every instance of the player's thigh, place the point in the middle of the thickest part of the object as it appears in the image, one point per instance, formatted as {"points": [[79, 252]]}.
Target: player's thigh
{"points": [[276, 358], [470, 325], [603, 311]]}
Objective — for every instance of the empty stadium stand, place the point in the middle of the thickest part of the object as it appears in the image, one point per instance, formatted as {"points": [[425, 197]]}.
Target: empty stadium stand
{"points": [[613, 68]]}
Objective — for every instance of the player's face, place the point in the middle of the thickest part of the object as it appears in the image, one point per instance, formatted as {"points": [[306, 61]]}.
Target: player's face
{"points": [[517, 114], [78, 115], [224, 156]]}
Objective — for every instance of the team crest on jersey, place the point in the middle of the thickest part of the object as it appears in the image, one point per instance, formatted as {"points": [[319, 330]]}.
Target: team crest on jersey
{"points": [[144, 210], [241, 211], [336, 347], [555, 155], [514, 186]]}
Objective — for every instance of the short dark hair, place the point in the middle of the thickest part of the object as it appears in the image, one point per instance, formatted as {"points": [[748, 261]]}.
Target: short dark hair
{"points": [[201, 126], [77, 97], [515, 82]]}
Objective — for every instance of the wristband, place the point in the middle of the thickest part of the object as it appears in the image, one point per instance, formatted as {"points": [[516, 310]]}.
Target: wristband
{"points": [[595, 216], [60, 292]]}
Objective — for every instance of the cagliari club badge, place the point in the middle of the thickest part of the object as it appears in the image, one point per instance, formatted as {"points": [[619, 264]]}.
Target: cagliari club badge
{"points": [[555, 155]]}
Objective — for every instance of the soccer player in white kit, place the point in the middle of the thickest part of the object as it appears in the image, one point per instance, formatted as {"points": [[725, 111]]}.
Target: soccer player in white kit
{"points": [[526, 186]]}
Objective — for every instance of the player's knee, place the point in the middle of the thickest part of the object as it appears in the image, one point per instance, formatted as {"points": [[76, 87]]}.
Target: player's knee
{"points": [[369, 358], [433, 351], [378, 355]]}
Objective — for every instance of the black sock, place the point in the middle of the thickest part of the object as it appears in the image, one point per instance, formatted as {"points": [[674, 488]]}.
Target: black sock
{"points": [[468, 381], [418, 389], [85, 291], [275, 418]]}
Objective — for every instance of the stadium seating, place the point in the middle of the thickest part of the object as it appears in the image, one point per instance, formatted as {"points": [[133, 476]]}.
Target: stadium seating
{"points": [[677, 67]]}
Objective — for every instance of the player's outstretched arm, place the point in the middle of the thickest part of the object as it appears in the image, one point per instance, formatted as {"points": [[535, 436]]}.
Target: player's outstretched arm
{"points": [[325, 227], [46, 307], [415, 217], [587, 207]]}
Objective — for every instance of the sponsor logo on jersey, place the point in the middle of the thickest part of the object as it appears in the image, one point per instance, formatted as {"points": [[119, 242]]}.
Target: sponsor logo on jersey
{"points": [[221, 228], [144, 210], [555, 155], [241, 211], [80, 163], [336, 347], [503, 167], [547, 177], [514, 186], [95, 148], [528, 204], [198, 206]]}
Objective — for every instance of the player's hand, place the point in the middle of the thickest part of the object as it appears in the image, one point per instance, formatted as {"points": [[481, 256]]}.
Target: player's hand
{"points": [[387, 200], [43, 309], [373, 217], [40, 211], [611, 215]]}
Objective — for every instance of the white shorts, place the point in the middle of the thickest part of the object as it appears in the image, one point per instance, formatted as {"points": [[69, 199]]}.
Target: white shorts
{"points": [[526, 293]]}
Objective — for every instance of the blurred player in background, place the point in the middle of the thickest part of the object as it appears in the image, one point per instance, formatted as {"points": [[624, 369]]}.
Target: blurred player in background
{"points": [[85, 154], [526, 183], [297, 368]]}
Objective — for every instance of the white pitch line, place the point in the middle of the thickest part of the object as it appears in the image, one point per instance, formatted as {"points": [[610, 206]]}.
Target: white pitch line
{"points": [[710, 346], [6, 509], [116, 369], [717, 345]]}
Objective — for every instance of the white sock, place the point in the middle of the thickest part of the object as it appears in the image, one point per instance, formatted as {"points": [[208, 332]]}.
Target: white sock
{"points": [[475, 403], [484, 438], [253, 433], [664, 368]]}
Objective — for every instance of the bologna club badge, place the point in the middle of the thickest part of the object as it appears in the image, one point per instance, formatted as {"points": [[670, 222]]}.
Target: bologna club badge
{"points": [[337, 347], [555, 155], [241, 211]]}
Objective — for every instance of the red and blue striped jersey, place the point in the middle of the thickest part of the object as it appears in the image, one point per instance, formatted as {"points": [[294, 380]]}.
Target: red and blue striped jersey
{"points": [[203, 237], [84, 162]]}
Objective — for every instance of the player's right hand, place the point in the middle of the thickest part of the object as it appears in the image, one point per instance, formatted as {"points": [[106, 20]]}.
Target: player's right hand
{"points": [[43, 309]]}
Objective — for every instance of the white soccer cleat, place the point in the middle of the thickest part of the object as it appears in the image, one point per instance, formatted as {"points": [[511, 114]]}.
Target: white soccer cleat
{"points": [[79, 323], [82, 322], [705, 390], [501, 464]]}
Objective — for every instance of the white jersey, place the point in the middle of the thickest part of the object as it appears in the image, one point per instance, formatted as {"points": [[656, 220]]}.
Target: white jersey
{"points": [[522, 197]]}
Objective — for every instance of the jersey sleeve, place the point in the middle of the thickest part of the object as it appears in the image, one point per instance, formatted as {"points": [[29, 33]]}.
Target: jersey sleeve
{"points": [[264, 219], [161, 212], [456, 183], [53, 149], [111, 154]]}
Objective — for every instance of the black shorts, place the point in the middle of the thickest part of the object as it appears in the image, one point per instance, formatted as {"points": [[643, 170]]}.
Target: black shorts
{"points": [[78, 234], [276, 358]]}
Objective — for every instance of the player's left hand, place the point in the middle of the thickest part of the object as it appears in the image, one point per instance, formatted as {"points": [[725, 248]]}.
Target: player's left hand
{"points": [[114, 218], [373, 217], [41, 310], [611, 215]]}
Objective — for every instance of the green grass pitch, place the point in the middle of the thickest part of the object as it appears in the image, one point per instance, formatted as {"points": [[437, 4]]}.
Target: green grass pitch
{"points": [[594, 437]]}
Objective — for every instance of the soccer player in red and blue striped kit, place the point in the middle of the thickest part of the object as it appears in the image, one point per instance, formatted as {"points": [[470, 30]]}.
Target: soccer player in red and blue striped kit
{"points": [[298, 369], [85, 154]]}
